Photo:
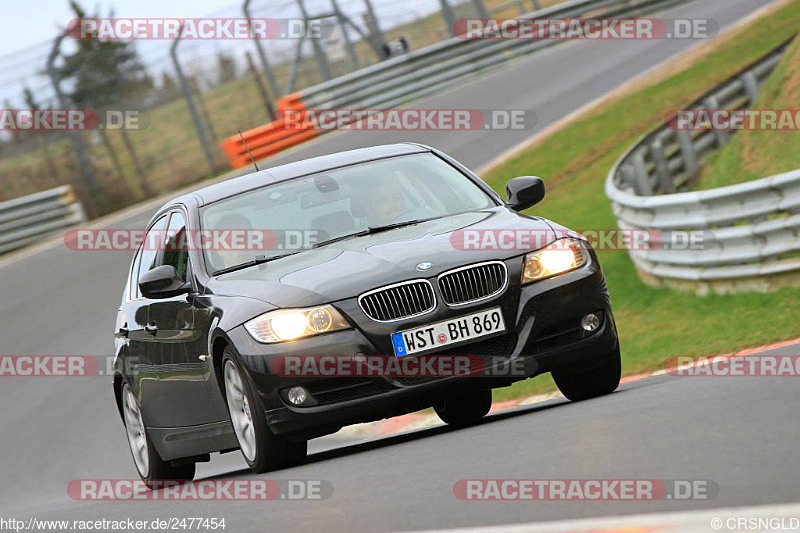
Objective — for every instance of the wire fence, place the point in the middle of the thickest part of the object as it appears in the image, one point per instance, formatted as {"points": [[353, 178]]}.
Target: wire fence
{"points": [[190, 94]]}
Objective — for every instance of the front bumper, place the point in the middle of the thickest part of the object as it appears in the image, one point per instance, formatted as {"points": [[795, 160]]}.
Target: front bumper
{"points": [[543, 334]]}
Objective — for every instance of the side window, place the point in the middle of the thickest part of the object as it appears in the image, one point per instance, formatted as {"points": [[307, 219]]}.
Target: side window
{"points": [[176, 252], [133, 276], [148, 253]]}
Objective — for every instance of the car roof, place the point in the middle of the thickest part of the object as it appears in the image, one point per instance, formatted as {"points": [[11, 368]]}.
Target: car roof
{"points": [[254, 180]]}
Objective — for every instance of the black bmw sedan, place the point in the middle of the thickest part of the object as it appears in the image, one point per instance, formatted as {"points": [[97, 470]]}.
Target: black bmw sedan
{"points": [[398, 253]]}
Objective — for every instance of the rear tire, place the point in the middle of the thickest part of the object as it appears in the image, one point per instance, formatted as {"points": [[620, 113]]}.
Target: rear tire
{"points": [[261, 448], [464, 408], [149, 465], [596, 382]]}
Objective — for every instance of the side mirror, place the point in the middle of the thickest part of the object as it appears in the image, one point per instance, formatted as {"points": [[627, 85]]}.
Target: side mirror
{"points": [[524, 192], [162, 282]]}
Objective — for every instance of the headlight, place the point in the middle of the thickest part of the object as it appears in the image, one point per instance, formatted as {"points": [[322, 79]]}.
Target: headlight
{"points": [[288, 324], [556, 258]]}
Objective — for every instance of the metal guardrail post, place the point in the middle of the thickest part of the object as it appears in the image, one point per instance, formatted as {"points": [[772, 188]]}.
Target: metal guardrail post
{"points": [[750, 86], [687, 151], [722, 136], [662, 167]]}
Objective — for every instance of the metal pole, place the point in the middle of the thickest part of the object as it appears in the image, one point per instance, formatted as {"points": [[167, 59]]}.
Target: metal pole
{"points": [[298, 53], [319, 52], [374, 26], [201, 104], [536, 6], [480, 9], [351, 51], [187, 94], [74, 136], [262, 56], [262, 89], [449, 17], [137, 165], [369, 39]]}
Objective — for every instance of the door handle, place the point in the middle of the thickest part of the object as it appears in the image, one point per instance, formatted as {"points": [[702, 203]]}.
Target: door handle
{"points": [[151, 329]]}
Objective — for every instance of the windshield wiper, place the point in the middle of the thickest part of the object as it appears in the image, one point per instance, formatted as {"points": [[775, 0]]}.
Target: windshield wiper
{"points": [[372, 230], [261, 259]]}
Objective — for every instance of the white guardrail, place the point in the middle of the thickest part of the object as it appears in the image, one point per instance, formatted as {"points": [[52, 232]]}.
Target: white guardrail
{"points": [[752, 229], [422, 72], [30, 218]]}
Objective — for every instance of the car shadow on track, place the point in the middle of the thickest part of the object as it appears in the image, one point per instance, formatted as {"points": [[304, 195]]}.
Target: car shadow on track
{"points": [[346, 450], [410, 436]]}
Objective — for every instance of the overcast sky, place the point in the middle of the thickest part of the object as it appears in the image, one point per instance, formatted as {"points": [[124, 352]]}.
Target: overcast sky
{"points": [[29, 22]]}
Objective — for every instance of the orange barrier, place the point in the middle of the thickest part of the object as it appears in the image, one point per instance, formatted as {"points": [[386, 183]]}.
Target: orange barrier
{"points": [[269, 139]]}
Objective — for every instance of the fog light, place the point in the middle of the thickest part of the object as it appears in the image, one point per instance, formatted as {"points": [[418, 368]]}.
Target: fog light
{"points": [[590, 322], [297, 395]]}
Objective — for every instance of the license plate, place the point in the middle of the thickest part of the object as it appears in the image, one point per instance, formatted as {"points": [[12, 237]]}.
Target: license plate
{"points": [[448, 332]]}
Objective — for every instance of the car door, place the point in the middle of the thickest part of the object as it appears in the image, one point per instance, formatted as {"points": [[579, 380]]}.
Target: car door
{"points": [[135, 341], [177, 345]]}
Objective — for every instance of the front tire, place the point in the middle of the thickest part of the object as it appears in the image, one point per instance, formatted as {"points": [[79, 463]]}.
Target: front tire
{"points": [[464, 408], [596, 382], [149, 465], [261, 448]]}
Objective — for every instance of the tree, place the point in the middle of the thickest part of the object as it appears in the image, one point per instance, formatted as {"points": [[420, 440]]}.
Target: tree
{"points": [[103, 72]]}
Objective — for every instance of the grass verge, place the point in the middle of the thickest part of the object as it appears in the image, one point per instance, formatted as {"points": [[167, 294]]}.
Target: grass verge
{"points": [[655, 323]]}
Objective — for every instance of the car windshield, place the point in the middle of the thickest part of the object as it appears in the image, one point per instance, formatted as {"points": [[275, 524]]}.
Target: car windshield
{"points": [[297, 214]]}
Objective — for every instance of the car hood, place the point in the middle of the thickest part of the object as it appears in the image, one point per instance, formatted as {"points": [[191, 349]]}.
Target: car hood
{"points": [[350, 267]]}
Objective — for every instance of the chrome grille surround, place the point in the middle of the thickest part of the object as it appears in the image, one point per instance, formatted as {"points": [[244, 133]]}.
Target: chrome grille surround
{"points": [[398, 301], [473, 283]]}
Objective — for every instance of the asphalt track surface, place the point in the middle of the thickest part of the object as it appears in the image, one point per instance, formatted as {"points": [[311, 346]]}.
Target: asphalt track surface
{"points": [[739, 432]]}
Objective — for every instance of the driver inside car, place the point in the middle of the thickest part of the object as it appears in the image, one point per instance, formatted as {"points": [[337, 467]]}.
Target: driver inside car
{"points": [[384, 202]]}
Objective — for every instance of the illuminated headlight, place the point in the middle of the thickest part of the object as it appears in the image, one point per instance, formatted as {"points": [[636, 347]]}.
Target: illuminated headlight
{"points": [[556, 258], [289, 324]]}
